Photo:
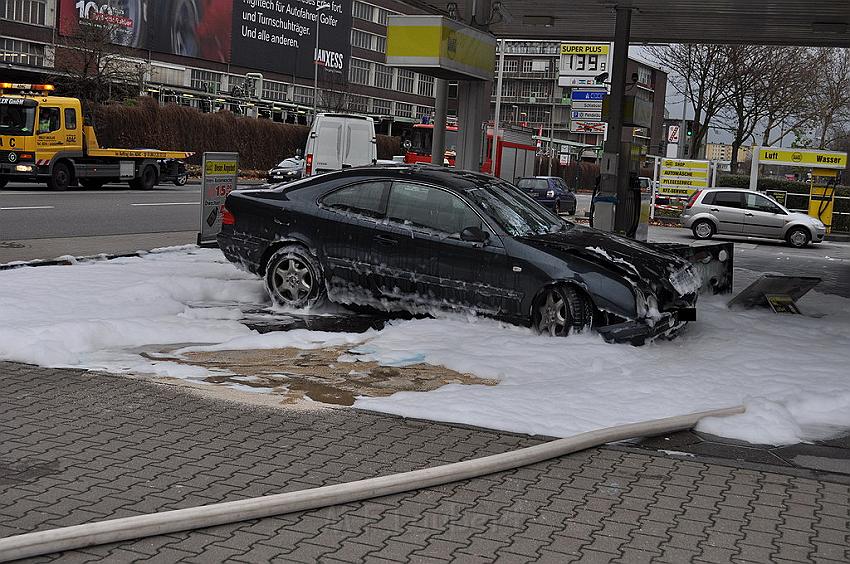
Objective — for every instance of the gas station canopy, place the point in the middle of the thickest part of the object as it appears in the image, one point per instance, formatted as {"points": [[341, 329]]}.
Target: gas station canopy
{"points": [[766, 22]]}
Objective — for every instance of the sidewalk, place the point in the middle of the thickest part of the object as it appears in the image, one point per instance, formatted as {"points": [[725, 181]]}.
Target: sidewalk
{"points": [[35, 249], [76, 447]]}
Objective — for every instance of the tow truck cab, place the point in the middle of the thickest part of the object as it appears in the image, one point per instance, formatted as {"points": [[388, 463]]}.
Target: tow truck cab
{"points": [[44, 138]]}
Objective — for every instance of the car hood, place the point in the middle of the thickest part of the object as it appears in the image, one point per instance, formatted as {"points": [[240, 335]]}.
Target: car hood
{"points": [[796, 216], [642, 263]]}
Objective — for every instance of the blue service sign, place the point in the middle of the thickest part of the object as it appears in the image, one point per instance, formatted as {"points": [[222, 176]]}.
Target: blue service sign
{"points": [[587, 95]]}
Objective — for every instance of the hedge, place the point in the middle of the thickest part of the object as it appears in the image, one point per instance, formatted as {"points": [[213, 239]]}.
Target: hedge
{"points": [[261, 143], [766, 183]]}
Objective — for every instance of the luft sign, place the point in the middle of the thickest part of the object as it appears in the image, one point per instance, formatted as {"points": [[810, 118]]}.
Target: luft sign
{"points": [[803, 157]]}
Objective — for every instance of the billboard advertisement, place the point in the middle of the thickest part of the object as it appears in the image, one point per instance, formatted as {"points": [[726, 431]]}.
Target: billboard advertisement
{"points": [[272, 35]]}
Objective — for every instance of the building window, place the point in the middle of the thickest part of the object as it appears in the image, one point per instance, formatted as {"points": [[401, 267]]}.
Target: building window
{"points": [[382, 16], [358, 104], [302, 95], [644, 76], [360, 71], [208, 81], [403, 110], [361, 39], [380, 44], [16, 52], [423, 111], [511, 65], [381, 107], [275, 91], [362, 11], [383, 76], [24, 11], [405, 81], [167, 75], [426, 86]]}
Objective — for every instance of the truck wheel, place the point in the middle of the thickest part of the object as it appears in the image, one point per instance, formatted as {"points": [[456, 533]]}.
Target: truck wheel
{"points": [[60, 177], [146, 180]]}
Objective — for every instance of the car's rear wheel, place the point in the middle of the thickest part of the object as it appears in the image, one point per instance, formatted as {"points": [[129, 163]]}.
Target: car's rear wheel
{"points": [[562, 310], [294, 278], [181, 179], [798, 237], [703, 229]]}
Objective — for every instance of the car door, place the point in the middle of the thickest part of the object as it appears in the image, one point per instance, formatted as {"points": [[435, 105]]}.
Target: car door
{"points": [[428, 263], [328, 147], [359, 143], [762, 218], [727, 207], [346, 228]]}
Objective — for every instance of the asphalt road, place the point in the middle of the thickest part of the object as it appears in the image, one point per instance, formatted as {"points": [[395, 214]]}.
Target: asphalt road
{"points": [[28, 211]]}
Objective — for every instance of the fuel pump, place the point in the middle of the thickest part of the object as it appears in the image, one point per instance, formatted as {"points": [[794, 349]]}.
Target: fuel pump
{"points": [[822, 195]]}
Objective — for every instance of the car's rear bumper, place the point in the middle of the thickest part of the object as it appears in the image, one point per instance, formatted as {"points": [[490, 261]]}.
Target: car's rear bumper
{"points": [[241, 251]]}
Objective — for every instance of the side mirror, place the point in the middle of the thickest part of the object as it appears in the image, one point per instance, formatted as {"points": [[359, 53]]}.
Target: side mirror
{"points": [[474, 235]]}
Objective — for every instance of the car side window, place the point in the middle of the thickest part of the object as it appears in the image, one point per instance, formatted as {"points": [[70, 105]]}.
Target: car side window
{"points": [[762, 204], [367, 198], [418, 206], [708, 199], [728, 199]]}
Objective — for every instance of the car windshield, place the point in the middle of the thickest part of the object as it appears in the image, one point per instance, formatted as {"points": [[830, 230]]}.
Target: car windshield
{"points": [[16, 120], [517, 214], [291, 161]]}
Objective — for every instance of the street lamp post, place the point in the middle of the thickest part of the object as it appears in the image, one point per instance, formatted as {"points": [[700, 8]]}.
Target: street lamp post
{"points": [[319, 7]]}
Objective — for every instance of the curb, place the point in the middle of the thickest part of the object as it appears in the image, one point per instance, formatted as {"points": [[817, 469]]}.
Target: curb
{"points": [[69, 260]]}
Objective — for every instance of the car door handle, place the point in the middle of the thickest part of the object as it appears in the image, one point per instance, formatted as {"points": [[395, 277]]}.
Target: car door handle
{"points": [[383, 240], [714, 209], [748, 214]]}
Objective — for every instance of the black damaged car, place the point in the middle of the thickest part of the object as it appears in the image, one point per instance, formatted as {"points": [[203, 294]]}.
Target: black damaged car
{"points": [[419, 238]]}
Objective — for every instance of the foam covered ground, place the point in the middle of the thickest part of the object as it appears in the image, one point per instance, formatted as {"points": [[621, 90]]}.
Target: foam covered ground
{"points": [[791, 371]]}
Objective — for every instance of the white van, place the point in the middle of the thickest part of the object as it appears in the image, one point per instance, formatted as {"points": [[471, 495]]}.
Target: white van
{"points": [[340, 141]]}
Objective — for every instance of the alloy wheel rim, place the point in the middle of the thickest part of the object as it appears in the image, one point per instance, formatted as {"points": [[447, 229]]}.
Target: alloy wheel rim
{"points": [[798, 238], [292, 280], [703, 230], [553, 315]]}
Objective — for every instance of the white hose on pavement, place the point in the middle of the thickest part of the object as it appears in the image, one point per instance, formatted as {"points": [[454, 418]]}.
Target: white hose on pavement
{"points": [[114, 530]]}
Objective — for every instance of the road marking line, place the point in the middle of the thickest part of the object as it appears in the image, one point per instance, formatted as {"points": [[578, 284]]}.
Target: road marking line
{"points": [[169, 204], [29, 208]]}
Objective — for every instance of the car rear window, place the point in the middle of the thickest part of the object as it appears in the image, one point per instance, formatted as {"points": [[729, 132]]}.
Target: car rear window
{"points": [[728, 199], [535, 183]]}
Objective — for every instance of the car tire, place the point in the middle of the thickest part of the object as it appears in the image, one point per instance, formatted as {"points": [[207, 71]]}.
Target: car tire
{"points": [[562, 310], [146, 180], [181, 179], [703, 229], [557, 207], [60, 177], [92, 183], [294, 278], [798, 237]]}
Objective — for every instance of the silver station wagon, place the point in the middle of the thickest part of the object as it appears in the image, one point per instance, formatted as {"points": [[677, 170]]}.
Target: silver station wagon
{"points": [[735, 211]]}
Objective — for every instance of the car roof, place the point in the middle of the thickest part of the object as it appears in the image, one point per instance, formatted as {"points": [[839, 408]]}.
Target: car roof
{"points": [[729, 189], [459, 180]]}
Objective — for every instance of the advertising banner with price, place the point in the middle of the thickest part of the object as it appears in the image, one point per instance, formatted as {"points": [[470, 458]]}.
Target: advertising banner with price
{"points": [[219, 179], [681, 177]]}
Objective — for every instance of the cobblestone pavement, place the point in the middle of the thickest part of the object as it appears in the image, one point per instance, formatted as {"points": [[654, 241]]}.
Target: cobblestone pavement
{"points": [[76, 447]]}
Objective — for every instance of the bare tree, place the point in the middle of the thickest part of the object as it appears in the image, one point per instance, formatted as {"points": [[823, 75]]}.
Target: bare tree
{"points": [[829, 102], [698, 72], [787, 84], [91, 65], [335, 93]]}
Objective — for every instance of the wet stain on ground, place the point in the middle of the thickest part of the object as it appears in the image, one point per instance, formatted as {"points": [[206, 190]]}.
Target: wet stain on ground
{"points": [[296, 375]]}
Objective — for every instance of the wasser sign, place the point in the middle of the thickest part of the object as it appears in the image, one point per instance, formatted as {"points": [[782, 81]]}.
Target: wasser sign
{"points": [[803, 157], [680, 177]]}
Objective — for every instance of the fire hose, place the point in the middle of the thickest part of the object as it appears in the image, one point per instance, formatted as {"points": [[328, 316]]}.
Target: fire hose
{"points": [[140, 526]]}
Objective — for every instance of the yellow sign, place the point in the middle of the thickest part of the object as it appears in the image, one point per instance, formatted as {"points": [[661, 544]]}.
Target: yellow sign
{"points": [[220, 167], [585, 48], [438, 46], [803, 157], [682, 177]]}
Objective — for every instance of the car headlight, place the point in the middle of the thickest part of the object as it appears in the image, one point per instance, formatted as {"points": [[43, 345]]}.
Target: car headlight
{"points": [[818, 223], [550, 194]]}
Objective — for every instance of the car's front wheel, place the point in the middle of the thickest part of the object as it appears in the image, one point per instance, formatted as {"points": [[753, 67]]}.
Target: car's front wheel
{"points": [[703, 229], [798, 237], [294, 278], [562, 310]]}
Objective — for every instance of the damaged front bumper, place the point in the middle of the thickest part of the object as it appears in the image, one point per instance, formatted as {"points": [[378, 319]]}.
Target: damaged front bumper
{"points": [[638, 332]]}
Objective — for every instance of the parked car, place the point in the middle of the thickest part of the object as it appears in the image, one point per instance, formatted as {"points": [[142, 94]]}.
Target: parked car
{"points": [[287, 169], [417, 238], [550, 191], [340, 141], [173, 170], [735, 211]]}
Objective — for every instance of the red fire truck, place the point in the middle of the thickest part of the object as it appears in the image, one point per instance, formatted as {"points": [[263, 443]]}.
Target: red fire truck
{"points": [[515, 156]]}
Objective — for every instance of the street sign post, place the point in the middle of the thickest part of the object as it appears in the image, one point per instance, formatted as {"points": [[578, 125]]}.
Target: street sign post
{"points": [[680, 177], [591, 127], [585, 115]]}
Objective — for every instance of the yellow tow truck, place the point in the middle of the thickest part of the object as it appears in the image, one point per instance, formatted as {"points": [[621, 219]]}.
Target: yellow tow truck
{"points": [[44, 138]]}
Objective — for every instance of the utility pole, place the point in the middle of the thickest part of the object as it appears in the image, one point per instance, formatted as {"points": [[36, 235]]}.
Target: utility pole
{"points": [[552, 134], [320, 5], [497, 113]]}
